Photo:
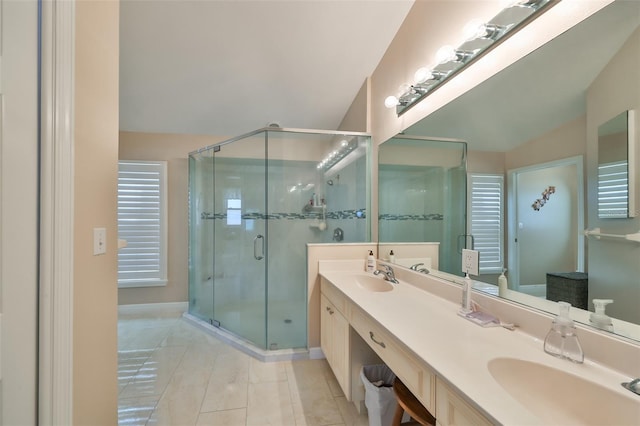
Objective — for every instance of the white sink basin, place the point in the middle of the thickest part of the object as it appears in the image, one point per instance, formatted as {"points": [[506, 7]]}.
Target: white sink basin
{"points": [[372, 283], [558, 397]]}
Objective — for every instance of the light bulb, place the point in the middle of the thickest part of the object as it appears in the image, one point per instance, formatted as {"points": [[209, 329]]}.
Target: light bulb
{"points": [[445, 54], [391, 101], [343, 143], [404, 89], [423, 74], [473, 30]]}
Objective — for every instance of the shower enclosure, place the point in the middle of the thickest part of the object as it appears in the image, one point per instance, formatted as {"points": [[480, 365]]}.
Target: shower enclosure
{"points": [[422, 195], [255, 202]]}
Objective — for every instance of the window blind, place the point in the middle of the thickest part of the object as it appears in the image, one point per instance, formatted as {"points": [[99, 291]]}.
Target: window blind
{"points": [[486, 220], [613, 189], [142, 223]]}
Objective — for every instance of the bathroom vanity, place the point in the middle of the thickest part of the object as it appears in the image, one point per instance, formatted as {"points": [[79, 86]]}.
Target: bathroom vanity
{"points": [[461, 372]]}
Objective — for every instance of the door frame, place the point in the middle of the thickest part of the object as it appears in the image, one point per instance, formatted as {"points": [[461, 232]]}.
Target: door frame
{"points": [[55, 397], [512, 225]]}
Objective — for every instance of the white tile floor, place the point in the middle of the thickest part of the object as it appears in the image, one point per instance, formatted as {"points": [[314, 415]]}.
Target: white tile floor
{"points": [[173, 373]]}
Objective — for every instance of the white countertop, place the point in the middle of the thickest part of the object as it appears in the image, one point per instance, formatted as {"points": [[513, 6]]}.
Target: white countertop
{"points": [[458, 350]]}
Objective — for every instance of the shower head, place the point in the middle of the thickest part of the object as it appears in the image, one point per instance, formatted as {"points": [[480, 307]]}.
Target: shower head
{"points": [[330, 182]]}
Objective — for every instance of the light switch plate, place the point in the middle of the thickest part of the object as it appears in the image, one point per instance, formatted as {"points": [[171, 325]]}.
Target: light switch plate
{"points": [[99, 241], [470, 261]]}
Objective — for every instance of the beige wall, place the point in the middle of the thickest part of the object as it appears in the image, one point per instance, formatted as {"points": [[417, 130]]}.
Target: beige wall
{"points": [[565, 141], [175, 150], [95, 387], [485, 162], [357, 118]]}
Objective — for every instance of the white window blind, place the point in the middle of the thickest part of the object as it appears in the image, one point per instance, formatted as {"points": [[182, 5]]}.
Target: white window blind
{"points": [[142, 223], [486, 219], [613, 189]]}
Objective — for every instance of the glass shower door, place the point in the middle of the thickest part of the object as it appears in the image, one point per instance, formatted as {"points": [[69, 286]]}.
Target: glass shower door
{"points": [[239, 255], [201, 235]]}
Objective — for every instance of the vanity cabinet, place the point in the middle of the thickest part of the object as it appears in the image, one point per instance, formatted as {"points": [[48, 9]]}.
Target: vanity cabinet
{"points": [[334, 340], [453, 410], [351, 338]]}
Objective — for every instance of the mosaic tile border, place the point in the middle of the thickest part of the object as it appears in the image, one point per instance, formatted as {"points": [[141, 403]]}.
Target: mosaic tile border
{"points": [[392, 217], [337, 215]]}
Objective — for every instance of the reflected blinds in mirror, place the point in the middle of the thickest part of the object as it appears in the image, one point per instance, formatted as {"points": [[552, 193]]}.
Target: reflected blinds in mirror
{"points": [[613, 189], [486, 220]]}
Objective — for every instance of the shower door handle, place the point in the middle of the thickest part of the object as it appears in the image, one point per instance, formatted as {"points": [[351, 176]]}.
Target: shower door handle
{"points": [[255, 247], [464, 238]]}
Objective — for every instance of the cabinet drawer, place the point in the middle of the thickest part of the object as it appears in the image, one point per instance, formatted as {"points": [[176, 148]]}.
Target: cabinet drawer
{"points": [[334, 295], [420, 381]]}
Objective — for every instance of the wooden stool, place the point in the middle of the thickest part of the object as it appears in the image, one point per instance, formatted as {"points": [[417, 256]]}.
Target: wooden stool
{"points": [[409, 403]]}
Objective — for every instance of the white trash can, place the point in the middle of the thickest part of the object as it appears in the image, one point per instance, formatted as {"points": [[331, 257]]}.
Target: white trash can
{"points": [[379, 397]]}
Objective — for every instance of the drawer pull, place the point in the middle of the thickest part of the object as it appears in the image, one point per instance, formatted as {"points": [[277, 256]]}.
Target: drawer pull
{"points": [[375, 341], [330, 310]]}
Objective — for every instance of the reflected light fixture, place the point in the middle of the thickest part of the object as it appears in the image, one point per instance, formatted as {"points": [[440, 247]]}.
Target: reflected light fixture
{"points": [[480, 37], [344, 148]]}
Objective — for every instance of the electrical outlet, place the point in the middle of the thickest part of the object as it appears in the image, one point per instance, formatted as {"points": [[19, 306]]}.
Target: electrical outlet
{"points": [[470, 261], [99, 241]]}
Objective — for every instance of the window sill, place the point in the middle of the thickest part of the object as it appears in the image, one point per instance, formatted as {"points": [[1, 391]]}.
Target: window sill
{"points": [[142, 283]]}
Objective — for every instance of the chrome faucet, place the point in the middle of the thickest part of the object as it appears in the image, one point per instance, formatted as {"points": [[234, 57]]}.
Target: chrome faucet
{"points": [[387, 273], [633, 386], [415, 267]]}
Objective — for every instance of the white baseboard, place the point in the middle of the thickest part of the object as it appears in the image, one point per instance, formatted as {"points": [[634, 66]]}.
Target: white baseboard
{"points": [[316, 353], [154, 308]]}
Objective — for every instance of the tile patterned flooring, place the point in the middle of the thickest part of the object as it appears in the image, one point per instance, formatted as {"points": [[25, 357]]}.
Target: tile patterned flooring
{"points": [[172, 373]]}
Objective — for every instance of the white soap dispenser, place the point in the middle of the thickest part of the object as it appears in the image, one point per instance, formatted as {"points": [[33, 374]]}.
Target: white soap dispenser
{"points": [[502, 284], [392, 257], [599, 318]]}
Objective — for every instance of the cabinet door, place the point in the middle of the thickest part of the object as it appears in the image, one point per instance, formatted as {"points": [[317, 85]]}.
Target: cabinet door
{"points": [[340, 349], [326, 340], [452, 410]]}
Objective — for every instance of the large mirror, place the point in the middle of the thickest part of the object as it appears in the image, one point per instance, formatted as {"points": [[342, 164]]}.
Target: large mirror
{"points": [[535, 126], [615, 165]]}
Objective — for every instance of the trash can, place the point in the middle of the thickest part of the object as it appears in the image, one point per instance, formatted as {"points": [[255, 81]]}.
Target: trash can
{"points": [[379, 397]]}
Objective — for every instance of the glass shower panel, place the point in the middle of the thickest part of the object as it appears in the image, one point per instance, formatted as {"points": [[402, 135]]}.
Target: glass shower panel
{"points": [[201, 235], [240, 249], [422, 195], [308, 200]]}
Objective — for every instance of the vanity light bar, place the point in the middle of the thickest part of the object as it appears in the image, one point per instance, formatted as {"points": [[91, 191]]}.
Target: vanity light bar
{"points": [[481, 37]]}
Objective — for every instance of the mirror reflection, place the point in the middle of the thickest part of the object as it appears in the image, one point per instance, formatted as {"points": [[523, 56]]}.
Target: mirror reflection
{"points": [[613, 167], [532, 130]]}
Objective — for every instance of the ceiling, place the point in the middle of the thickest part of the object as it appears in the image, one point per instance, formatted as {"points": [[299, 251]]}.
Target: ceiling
{"points": [[229, 67], [538, 93]]}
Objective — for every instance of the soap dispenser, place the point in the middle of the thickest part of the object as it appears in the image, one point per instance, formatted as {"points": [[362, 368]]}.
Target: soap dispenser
{"points": [[562, 341], [599, 318], [502, 284], [370, 264]]}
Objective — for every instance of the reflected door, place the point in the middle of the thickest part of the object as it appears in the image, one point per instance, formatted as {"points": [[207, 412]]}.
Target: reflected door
{"points": [[239, 250]]}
